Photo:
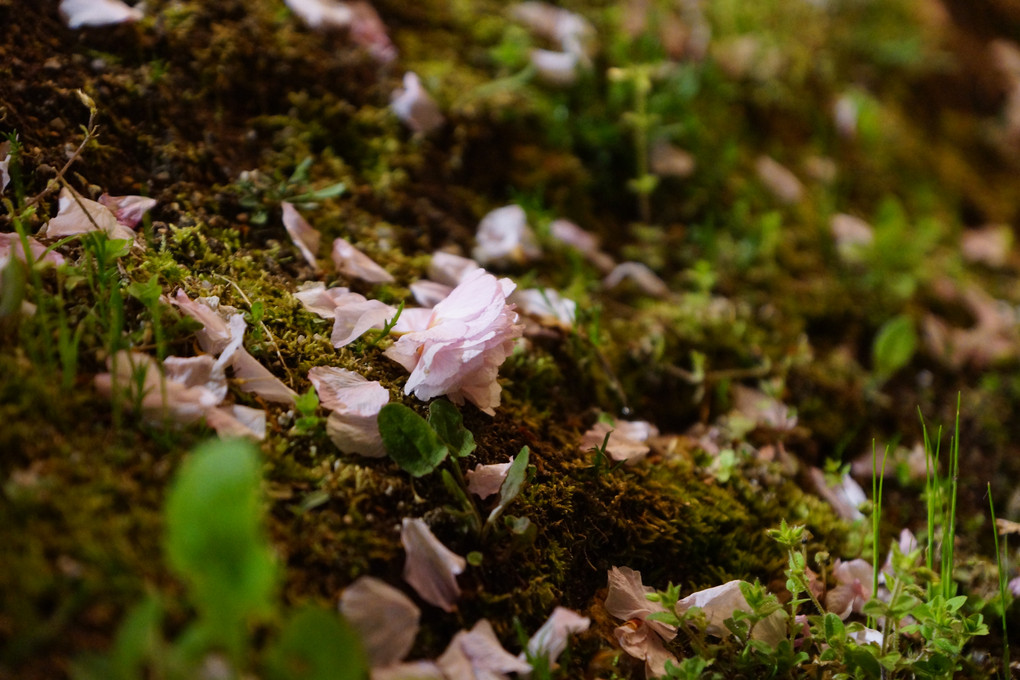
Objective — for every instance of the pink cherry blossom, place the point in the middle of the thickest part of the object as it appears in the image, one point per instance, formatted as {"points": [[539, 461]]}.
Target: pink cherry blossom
{"points": [[503, 235], [320, 300], [353, 263], [641, 637], [469, 335], [129, 210], [431, 568], [415, 107], [302, 234], [78, 13], [547, 306], [782, 183], [586, 243], [854, 589]]}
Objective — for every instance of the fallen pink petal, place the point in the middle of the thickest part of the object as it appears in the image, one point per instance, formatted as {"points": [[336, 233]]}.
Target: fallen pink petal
{"points": [[78, 13], [646, 280], [355, 403], [430, 567], [415, 107], [626, 439], [353, 263], [354, 314], [318, 299], [504, 236], [302, 234], [783, 184], [385, 618], [485, 480], [129, 210], [5, 164], [322, 13], [11, 246], [551, 639], [478, 655], [720, 602], [449, 269], [79, 215]]}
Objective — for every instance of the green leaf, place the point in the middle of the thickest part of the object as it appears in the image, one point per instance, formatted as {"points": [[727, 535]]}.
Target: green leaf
{"points": [[147, 293], [316, 645], [894, 346], [307, 403], [448, 424], [215, 539], [409, 440], [835, 631], [138, 638], [515, 476]]}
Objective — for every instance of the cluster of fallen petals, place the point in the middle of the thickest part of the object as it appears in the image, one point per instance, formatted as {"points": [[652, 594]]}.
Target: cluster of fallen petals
{"points": [[387, 620]]}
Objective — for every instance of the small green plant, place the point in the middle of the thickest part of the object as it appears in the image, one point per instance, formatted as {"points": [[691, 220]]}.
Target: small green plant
{"points": [[216, 543], [260, 193]]}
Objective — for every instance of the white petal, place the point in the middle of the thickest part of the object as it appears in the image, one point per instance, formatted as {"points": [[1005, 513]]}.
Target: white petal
{"points": [[200, 371], [78, 13], [626, 600], [414, 670], [302, 234], [256, 378], [503, 234], [431, 568], [485, 480], [555, 68], [356, 434], [354, 315], [348, 392], [546, 305], [237, 421], [478, 654], [5, 162], [551, 639], [415, 107], [322, 13], [429, 293], [626, 439], [10, 245], [386, 619], [354, 263]]}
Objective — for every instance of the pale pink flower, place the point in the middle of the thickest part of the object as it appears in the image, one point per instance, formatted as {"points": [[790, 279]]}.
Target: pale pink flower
{"points": [[639, 636], [430, 568], [647, 280], [385, 618], [469, 335], [415, 107], [855, 580], [627, 441], [478, 655], [782, 183], [322, 13], [354, 403], [550, 640], [503, 235], [302, 234], [78, 216], [853, 235], [237, 421], [216, 333], [5, 163], [78, 13], [353, 263], [485, 480], [721, 602], [129, 210], [11, 246]]}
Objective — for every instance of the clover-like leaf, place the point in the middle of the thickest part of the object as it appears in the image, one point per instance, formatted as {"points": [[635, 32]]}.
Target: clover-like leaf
{"points": [[410, 441]]}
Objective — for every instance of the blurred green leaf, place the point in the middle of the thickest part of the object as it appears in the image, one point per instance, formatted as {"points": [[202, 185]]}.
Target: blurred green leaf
{"points": [[316, 644]]}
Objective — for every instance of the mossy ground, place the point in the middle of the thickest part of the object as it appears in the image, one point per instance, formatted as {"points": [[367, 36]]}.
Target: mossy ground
{"points": [[199, 92]]}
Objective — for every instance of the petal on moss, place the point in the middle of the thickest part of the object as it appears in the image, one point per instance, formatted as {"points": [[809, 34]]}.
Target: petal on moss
{"points": [[626, 439], [318, 299], [485, 480], [216, 333], [322, 13], [237, 421], [353, 263], [504, 236], [78, 215], [550, 640], [11, 246], [638, 640], [626, 600], [354, 314], [253, 377], [302, 234], [386, 619], [415, 107], [478, 655], [78, 13], [430, 568], [129, 210], [347, 391]]}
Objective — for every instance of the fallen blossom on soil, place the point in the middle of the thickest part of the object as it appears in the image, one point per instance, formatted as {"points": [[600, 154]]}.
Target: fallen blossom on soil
{"points": [[485, 480], [253, 377], [322, 13], [449, 269], [5, 162], [854, 589], [550, 640], [468, 336], [78, 13], [845, 497], [415, 107], [503, 235], [720, 602], [81, 216], [318, 299], [647, 280], [354, 402], [547, 306], [216, 332], [353, 263], [11, 246], [783, 184], [478, 655], [302, 234], [385, 618], [430, 568], [354, 314], [626, 441], [129, 210], [640, 637]]}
